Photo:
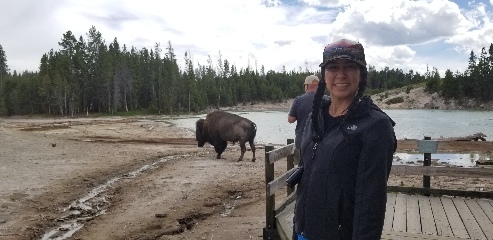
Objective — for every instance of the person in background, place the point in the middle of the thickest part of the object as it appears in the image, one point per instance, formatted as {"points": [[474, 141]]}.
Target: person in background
{"points": [[300, 109], [346, 154]]}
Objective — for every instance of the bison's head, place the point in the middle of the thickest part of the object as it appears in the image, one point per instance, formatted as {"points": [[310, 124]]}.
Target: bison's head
{"points": [[200, 134]]}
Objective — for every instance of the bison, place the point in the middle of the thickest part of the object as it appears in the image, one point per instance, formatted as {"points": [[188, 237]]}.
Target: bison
{"points": [[219, 127]]}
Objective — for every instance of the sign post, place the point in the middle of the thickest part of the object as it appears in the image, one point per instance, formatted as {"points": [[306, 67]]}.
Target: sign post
{"points": [[427, 147]]}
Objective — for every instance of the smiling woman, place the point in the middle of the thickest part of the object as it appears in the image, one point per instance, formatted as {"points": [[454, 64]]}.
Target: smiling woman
{"points": [[342, 77], [339, 153]]}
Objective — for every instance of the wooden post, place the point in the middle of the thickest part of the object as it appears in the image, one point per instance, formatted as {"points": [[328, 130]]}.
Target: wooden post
{"points": [[426, 162], [289, 165], [269, 200]]}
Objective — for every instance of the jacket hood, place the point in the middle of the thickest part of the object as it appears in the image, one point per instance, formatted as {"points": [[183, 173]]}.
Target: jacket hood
{"points": [[374, 106]]}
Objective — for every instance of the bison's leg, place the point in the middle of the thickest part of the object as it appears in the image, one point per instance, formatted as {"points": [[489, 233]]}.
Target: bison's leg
{"points": [[243, 150], [252, 146], [220, 147]]}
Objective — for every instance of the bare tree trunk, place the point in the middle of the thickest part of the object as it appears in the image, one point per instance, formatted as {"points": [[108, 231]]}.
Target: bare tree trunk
{"points": [[65, 100], [71, 105], [60, 103], [109, 100], [125, 100]]}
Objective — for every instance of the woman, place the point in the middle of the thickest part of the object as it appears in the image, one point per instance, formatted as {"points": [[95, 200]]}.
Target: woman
{"points": [[346, 151]]}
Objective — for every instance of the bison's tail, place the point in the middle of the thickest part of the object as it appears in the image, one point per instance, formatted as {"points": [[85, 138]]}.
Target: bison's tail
{"points": [[253, 131]]}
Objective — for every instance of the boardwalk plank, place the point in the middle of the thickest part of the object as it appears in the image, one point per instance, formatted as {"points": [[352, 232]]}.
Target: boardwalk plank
{"points": [[481, 218], [413, 218], [427, 221], [441, 222], [399, 223], [284, 221], [389, 212], [487, 206], [447, 219], [472, 226], [453, 217], [413, 236]]}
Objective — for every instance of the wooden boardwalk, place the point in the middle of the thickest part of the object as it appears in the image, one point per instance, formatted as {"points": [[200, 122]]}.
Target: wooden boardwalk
{"points": [[410, 214], [422, 217]]}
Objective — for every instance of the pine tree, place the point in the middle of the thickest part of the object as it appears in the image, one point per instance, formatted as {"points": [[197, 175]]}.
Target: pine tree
{"points": [[451, 87], [4, 69]]}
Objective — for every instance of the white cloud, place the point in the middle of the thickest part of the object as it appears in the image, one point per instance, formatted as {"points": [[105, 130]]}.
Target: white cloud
{"points": [[401, 22], [479, 35], [328, 3], [24, 36], [272, 32], [379, 57]]}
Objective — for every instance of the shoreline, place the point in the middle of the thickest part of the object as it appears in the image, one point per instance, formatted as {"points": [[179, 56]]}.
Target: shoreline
{"points": [[417, 98]]}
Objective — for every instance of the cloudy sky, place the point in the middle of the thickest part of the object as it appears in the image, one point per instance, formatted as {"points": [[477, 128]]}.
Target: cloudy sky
{"points": [[275, 33]]}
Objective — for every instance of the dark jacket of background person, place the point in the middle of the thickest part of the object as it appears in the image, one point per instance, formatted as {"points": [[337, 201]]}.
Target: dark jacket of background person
{"points": [[343, 194], [302, 106]]}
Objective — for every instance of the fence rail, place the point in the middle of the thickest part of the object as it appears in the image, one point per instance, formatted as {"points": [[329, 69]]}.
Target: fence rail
{"points": [[273, 185]]}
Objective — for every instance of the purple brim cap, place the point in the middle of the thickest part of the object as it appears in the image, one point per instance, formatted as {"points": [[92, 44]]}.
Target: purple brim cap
{"points": [[344, 49]]}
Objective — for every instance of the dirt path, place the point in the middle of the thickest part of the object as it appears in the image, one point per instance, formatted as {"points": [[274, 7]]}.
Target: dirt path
{"points": [[129, 178], [180, 192]]}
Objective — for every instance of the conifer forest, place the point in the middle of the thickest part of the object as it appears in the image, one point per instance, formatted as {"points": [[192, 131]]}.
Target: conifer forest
{"points": [[91, 76]]}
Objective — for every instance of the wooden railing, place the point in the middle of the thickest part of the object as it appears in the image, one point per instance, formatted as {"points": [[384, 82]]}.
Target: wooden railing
{"points": [[441, 171], [426, 146], [273, 185]]}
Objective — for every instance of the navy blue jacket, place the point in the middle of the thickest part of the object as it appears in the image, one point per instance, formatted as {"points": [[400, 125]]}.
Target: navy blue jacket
{"points": [[343, 191]]}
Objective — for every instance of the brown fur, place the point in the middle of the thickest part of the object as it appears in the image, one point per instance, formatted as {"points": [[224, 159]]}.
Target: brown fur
{"points": [[221, 127]]}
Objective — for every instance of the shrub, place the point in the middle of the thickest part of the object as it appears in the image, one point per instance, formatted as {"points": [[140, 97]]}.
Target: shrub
{"points": [[408, 89], [395, 100]]}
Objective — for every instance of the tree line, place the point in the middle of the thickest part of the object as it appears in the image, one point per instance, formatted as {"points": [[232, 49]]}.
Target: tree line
{"points": [[475, 83], [88, 75]]}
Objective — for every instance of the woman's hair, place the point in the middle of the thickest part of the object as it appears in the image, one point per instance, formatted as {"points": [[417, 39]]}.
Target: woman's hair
{"points": [[317, 119]]}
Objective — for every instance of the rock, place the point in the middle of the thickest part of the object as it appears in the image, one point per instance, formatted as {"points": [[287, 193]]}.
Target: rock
{"points": [[484, 162], [161, 215]]}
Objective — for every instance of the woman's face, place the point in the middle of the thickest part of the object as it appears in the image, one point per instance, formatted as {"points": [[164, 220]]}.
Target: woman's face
{"points": [[342, 77]]}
